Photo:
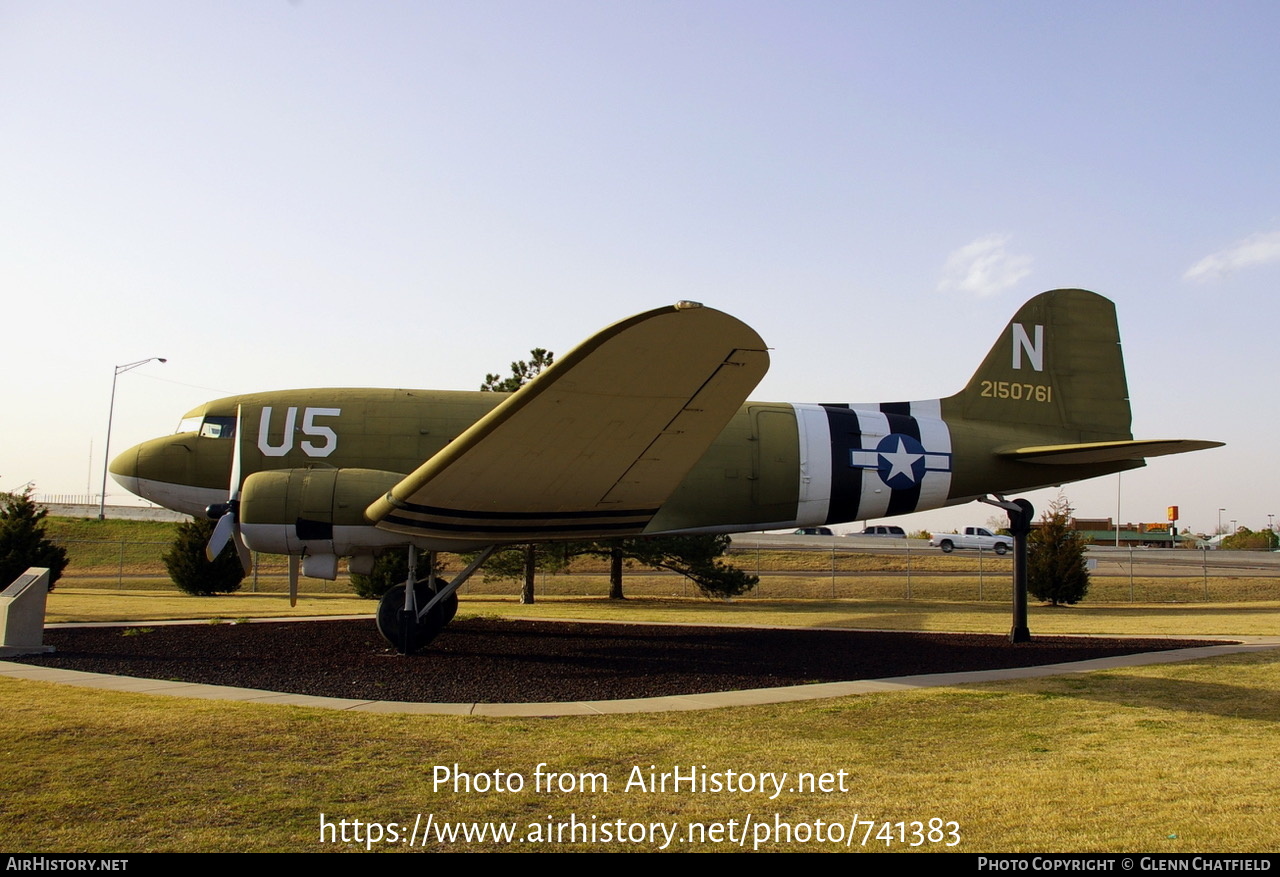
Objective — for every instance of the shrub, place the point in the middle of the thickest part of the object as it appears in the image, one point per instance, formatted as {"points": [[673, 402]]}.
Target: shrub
{"points": [[390, 568], [1056, 571], [192, 572], [23, 543]]}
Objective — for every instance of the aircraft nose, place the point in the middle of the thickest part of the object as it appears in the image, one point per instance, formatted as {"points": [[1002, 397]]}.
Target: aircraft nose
{"points": [[124, 470]]}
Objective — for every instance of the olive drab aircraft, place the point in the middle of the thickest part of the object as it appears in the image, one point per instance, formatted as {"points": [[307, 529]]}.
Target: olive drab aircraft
{"points": [[643, 429]]}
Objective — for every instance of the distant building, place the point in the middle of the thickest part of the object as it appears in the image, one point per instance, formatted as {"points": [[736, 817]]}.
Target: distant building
{"points": [[1102, 531]]}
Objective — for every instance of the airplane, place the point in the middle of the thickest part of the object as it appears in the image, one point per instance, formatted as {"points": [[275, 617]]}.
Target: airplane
{"points": [[643, 429]]}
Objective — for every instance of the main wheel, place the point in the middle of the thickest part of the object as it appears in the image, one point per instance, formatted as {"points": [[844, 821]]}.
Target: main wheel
{"points": [[405, 632], [946, 547], [450, 604]]}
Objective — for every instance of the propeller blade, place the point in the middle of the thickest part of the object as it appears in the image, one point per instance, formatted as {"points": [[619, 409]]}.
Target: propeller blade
{"points": [[246, 556], [234, 492], [222, 531], [293, 580]]}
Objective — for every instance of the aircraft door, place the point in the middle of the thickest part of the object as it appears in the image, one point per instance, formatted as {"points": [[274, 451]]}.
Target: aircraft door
{"points": [[776, 461]]}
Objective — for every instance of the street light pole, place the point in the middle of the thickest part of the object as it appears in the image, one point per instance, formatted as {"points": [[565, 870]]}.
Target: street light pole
{"points": [[111, 412]]}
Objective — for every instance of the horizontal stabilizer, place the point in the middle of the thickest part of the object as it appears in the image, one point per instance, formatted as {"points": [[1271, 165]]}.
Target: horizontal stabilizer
{"points": [[1106, 452]]}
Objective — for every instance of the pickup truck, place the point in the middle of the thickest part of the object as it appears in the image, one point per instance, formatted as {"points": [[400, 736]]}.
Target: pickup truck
{"points": [[972, 537]]}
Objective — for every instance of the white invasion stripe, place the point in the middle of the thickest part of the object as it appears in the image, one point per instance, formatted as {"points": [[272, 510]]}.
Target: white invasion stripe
{"points": [[928, 408], [936, 438], [874, 499], [815, 465]]}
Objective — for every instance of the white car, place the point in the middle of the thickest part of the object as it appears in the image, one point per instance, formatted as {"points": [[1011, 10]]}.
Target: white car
{"points": [[972, 537]]}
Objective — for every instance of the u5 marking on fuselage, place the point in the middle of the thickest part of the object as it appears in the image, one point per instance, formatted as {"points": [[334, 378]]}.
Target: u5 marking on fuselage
{"points": [[308, 428], [645, 428]]}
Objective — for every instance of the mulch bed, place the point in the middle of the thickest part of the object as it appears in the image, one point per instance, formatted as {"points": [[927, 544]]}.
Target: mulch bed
{"points": [[495, 661]]}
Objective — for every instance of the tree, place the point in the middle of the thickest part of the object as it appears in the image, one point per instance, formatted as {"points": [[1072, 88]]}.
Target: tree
{"points": [[999, 525], [698, 558], [522, 372], [390, 568], [23, 543], [1244, 539], [192, 572], [522, 563], [1056, 571]]}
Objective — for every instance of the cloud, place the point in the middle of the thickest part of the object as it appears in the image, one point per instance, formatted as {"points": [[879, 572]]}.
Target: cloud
{"points": [[984, 268], [1256, 249]]}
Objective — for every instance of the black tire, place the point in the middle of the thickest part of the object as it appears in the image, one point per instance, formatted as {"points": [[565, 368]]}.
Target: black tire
{"points": [[408, 635], [1001, 548], [946, 546]]}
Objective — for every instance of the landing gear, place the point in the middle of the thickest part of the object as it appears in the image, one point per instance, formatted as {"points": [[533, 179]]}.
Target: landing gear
{"points": [[406, 630], [1020, 514], [1020, 527], [411, 620]]}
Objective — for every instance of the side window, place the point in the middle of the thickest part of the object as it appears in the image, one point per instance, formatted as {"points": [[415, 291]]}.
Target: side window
{"points": [[218, 427]]}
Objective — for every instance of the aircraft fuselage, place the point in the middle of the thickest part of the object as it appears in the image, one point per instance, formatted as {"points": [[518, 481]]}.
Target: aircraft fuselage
{"points": [[774, 465]]}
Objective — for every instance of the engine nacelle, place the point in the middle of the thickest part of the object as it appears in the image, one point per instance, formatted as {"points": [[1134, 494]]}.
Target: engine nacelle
{"points": [[315, 512]]}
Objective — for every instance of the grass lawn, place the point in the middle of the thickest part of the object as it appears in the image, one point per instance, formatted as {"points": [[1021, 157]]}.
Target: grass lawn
{"points": [[1167, 758]]}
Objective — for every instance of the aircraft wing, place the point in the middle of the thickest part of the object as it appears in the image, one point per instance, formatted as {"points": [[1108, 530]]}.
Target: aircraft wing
{"points": [[1107, 452], [594, 445]]}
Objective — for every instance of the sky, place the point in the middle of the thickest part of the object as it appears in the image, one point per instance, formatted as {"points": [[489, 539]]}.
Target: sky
{"points": [[279, 194]]}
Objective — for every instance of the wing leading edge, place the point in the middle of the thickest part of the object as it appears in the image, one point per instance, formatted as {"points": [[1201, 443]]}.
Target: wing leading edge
{"points": [[594, 445]]}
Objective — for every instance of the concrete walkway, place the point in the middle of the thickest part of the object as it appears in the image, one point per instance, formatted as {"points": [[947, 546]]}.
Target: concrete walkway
{"points": [[712, 700]]}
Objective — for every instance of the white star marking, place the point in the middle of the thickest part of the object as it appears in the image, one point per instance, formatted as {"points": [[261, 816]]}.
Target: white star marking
{"points": [[900, 462]]}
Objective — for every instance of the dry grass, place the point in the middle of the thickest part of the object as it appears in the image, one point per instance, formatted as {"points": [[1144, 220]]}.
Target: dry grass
{"points": [[1170, 758], [1174, 758]]}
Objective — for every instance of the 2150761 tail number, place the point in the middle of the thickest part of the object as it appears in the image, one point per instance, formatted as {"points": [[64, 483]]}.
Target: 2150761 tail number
{"points": [[1017, 391]]}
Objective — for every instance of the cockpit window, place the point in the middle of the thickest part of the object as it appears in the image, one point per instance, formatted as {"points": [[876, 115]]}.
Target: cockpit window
{"points": [[188, 424], [218, 427]]}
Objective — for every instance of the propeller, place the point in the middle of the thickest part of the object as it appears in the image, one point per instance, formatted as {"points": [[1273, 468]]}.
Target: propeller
{"points": [[293, 580], [227, 513]]}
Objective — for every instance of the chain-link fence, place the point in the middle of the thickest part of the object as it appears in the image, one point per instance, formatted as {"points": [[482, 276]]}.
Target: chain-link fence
{"points": [[902, 571]]}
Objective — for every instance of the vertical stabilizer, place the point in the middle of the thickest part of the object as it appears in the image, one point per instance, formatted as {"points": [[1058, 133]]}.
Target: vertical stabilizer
{"points": [[1057, 368]]}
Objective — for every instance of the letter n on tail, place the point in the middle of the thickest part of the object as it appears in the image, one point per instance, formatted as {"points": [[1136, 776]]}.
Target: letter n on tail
{"points": [[1034, 349]]}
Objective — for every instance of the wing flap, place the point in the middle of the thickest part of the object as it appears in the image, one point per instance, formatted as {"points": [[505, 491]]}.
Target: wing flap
{"points": [[1106, 452], [595, 444]]}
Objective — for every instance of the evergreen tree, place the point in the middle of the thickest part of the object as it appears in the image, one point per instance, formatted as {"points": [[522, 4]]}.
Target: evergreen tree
{"points": [[192, 572], [698, 558], [522, 372], [390, 568], [23, 543], [1056, 571]]}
